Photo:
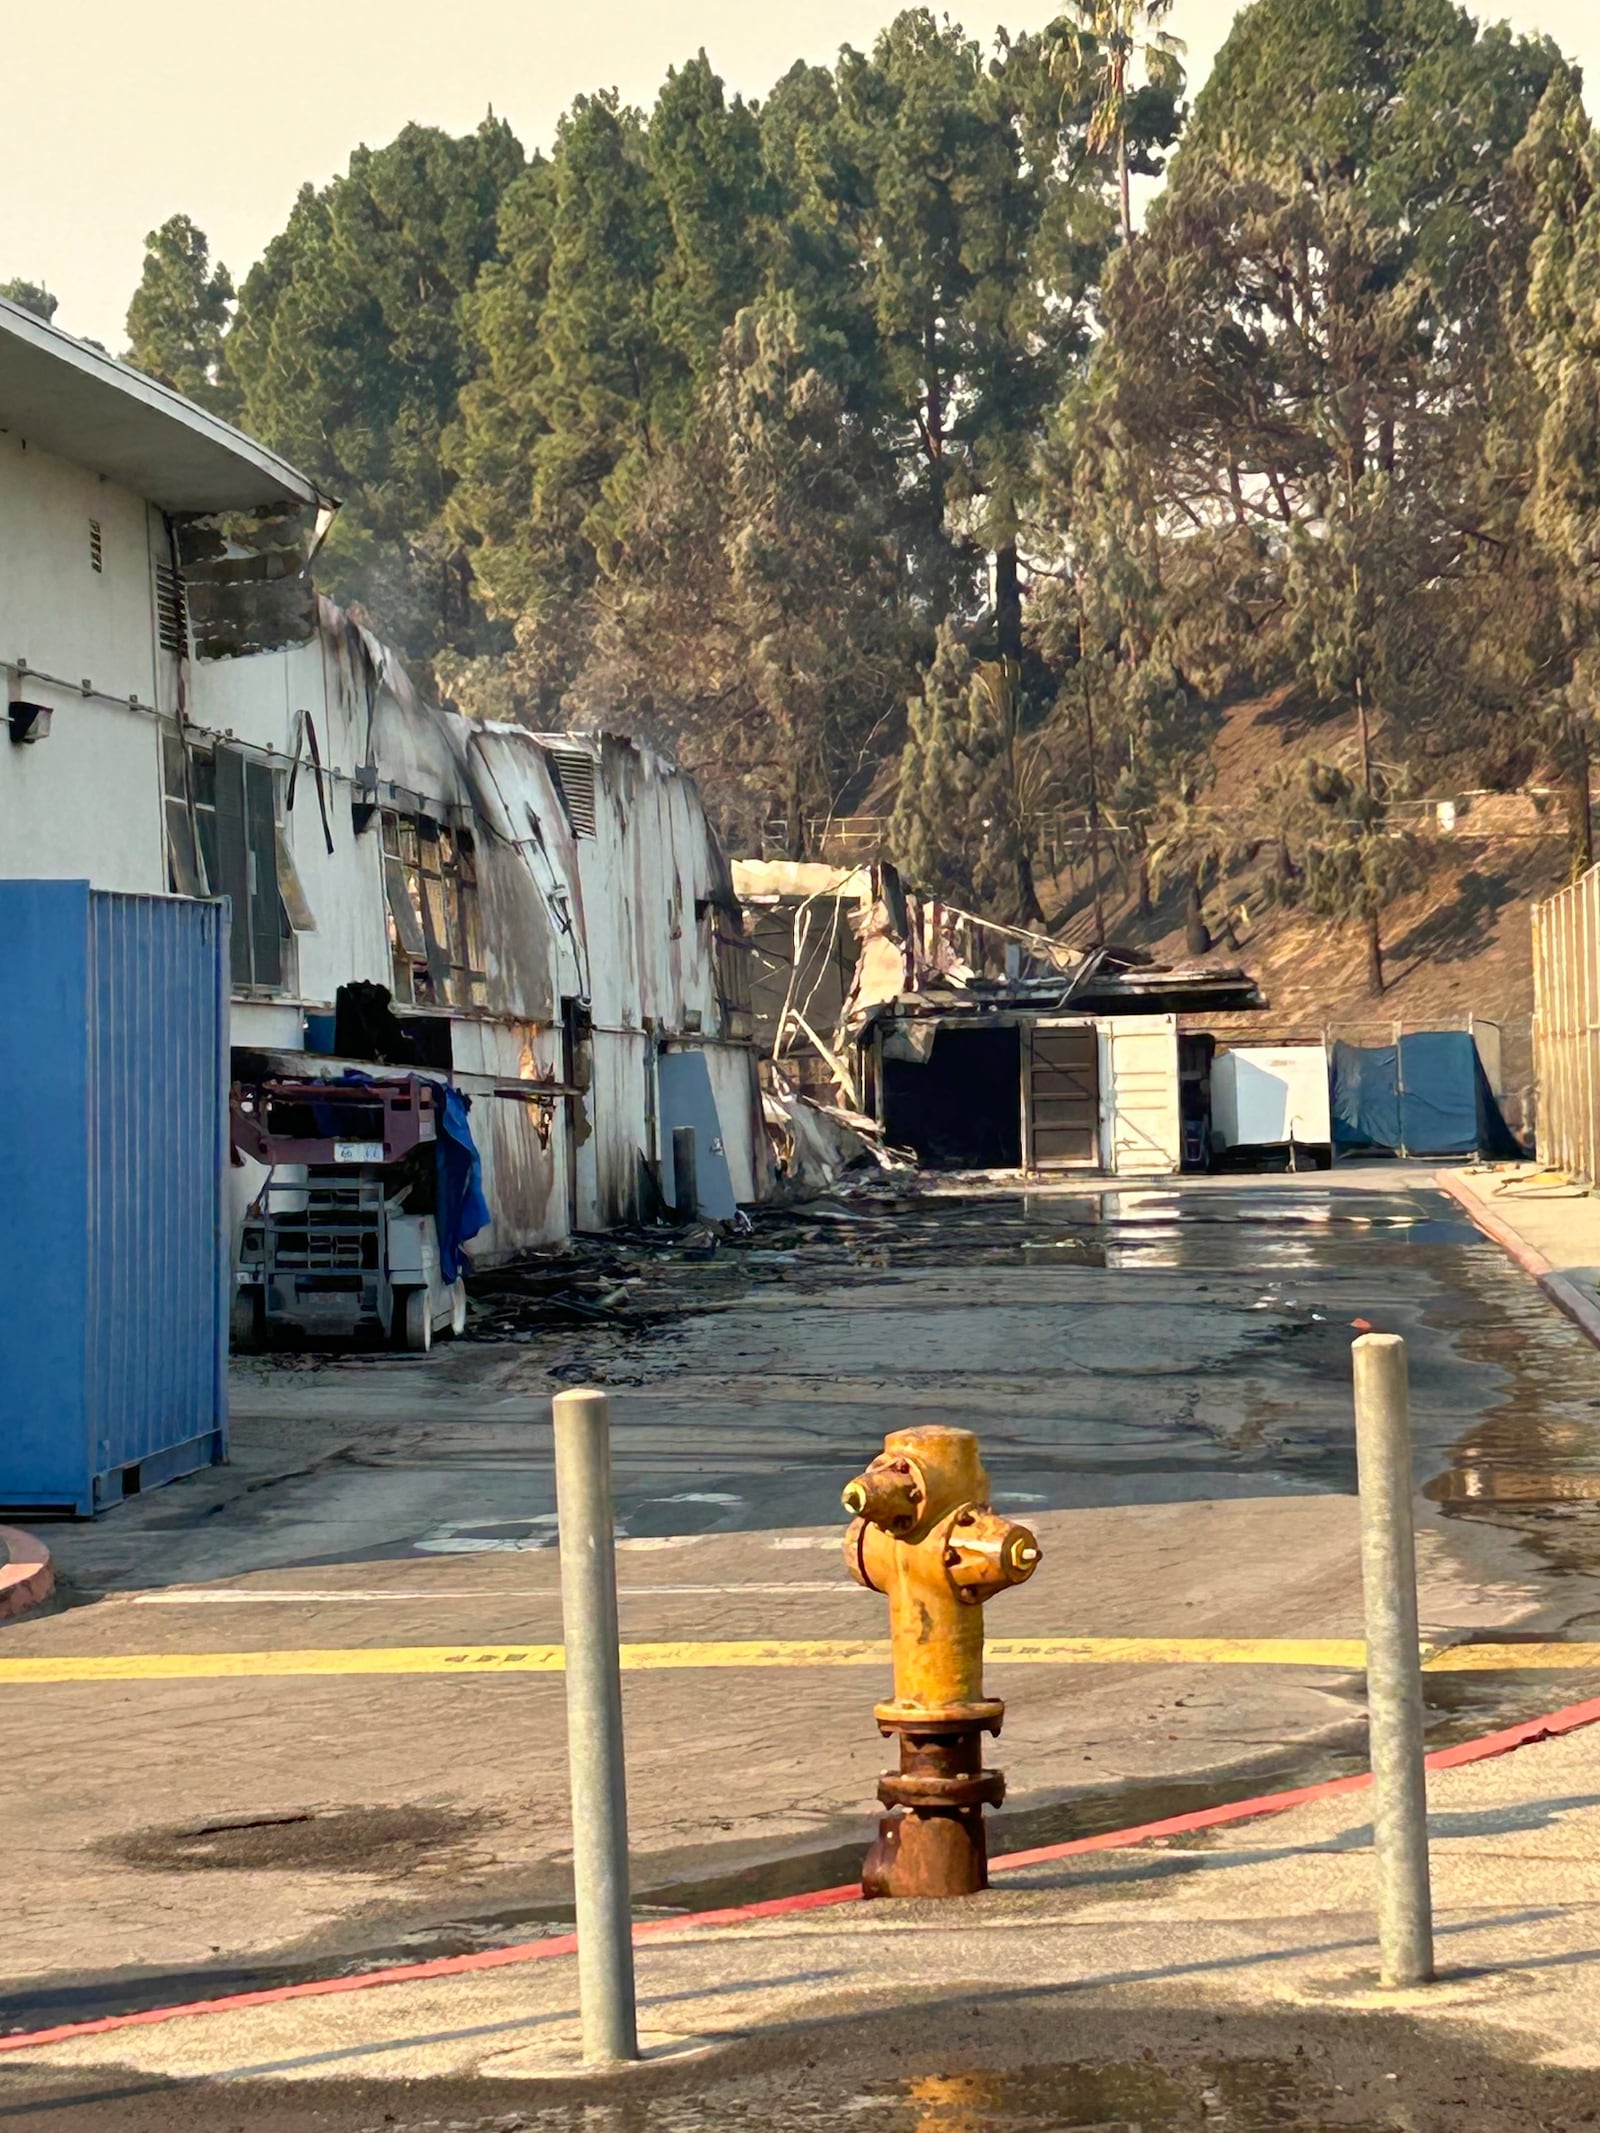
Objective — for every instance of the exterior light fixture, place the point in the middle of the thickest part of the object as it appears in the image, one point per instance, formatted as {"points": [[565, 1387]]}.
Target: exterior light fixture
{"points": [[27, 722]]}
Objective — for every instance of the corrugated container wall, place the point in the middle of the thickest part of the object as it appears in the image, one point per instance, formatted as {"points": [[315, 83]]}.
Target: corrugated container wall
{"points": [[114, 1251], [1566, 1026]]}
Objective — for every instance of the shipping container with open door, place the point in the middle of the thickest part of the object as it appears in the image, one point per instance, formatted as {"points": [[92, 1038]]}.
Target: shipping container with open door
{"points": [[1061, 1096], [1142, 1108]]}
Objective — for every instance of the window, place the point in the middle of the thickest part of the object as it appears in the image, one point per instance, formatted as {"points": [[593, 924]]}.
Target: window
{"points": [[430, 880], [223, 839]]}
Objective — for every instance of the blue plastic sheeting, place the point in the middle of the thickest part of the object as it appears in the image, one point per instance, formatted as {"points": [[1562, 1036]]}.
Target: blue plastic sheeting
{"points": [[461, 1209], [115, 1250], [1425, 1095], [683, 1081]]}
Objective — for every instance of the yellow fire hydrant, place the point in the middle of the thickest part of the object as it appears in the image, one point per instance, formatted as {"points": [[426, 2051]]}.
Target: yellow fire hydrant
{"points": [[923, 1532]]}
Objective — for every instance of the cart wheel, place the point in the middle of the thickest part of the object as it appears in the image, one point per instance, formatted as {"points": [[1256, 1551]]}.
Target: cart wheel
{"points": [[247, 1320], [458, 1309], [418, 1321]]}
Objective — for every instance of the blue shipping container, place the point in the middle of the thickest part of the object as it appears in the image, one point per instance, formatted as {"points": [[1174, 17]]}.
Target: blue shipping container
{"points": [[115, 1244]]}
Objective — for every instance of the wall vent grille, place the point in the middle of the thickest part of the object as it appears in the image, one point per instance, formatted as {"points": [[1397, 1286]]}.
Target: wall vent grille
{"points": [[575, 777], [172, 611], [97, 560]]}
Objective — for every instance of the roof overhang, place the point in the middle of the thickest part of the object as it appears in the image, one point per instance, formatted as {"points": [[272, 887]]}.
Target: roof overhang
{"points": [[63, 396]]}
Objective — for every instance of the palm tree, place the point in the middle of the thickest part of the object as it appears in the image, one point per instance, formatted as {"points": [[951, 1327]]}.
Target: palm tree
{"points": [[1097, 46]]}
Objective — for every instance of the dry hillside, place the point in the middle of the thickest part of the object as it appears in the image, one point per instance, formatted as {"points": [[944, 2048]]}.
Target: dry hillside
{"points": [[1457, 947]]}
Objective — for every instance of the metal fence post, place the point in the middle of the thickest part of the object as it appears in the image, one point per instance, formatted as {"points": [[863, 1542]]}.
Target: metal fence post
{"points": [[1394, 1662], [594, 1727]]}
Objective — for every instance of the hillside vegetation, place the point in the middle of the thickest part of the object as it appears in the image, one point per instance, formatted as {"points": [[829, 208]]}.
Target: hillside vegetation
{"points": [[854, 440]]}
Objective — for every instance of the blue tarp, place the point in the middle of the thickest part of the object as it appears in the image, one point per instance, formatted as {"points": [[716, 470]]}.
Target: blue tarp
{"points": [[1425, 1095], [462, 1209]]}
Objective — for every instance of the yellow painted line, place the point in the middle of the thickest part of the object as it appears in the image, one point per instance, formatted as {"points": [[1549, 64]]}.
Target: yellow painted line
{"points": [[653, 1658], [1343, 1655], [1512, 1658]]}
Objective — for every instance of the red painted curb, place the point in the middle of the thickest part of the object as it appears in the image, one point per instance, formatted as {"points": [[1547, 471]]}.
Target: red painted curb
{"points": [[1564, 1294], [27, 1577], [1567, 1720], [1531, 1261]]}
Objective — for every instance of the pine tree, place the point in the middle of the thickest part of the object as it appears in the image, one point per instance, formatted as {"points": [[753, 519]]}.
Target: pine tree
{"points": [[960, 825], [750, 617], [179, 316], [1557, 332], [31, 296], [348, 354], [578, 389], [1301, 351], [705, 156]]}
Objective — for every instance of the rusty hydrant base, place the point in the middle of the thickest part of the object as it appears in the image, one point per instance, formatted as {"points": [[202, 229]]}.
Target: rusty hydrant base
{"points": [[932, 1855], [933, 1842]]}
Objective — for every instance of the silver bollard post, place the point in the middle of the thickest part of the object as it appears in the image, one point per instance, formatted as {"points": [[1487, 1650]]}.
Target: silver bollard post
{"points": [[1394, 1662], [594, 1727]]}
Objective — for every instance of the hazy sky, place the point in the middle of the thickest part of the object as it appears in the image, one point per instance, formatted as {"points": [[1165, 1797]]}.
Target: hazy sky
{"points": [[120, 115]]}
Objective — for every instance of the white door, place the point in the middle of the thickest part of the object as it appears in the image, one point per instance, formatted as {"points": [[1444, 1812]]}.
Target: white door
{"points": [[1139, 1078]]}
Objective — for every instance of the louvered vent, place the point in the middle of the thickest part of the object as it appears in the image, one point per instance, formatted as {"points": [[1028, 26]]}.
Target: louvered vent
{"points": [[575, 776], [172, 612], [97, 559]]}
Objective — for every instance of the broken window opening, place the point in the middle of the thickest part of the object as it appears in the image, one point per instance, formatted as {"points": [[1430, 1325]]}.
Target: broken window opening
{"points": [[246, 579], [225, 838], [430, 877]]}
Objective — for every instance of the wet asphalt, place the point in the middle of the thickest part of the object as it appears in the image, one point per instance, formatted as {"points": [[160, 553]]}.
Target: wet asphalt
{"points": [[1146, 1345]]}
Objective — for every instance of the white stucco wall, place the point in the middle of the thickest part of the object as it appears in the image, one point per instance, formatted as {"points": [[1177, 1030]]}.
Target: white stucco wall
{"points": [[84, 802]]}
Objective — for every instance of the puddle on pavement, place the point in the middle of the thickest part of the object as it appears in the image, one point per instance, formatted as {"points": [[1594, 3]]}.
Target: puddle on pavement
{"points": [[352, 1840], [1141, 2096]]}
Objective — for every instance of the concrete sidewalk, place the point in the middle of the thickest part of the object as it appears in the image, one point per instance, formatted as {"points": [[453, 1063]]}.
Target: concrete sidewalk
{"points": [[1270, 1919], [1548, 1223]]}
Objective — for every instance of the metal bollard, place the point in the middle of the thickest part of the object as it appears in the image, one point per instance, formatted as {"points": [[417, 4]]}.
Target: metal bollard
{"points": [[1394, 1662], [594, 1727]]}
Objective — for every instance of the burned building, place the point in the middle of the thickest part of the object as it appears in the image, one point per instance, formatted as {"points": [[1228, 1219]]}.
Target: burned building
{"points": [[551, 915], [973, 1045]]}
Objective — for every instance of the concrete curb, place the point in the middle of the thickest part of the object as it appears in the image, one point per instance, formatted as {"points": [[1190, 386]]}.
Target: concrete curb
{"points": [[1564, 1294], [27, 1577]]}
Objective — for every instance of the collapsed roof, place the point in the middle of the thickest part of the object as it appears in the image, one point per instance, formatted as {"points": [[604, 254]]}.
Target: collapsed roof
{"points": [[845, 948]]}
